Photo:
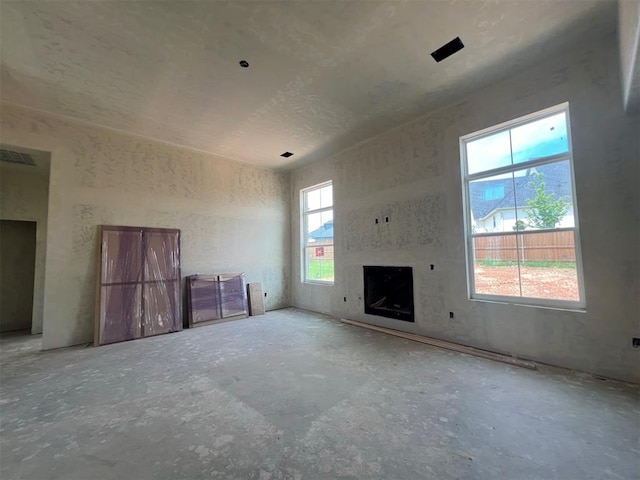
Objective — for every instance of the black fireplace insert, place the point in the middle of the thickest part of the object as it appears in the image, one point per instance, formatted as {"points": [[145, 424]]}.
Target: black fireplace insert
{"points": [[388, 292]]}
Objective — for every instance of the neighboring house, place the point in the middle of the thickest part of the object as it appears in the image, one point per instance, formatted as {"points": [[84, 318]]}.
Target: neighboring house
{"points": [[322, 239], [322, 234], [492, 201]]}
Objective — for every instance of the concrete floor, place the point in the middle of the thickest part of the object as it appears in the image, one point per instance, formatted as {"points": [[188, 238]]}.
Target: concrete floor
{"points": [[295, 395]]}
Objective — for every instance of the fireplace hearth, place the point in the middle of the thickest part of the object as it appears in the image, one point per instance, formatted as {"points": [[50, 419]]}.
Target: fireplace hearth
{"points": [[388, 292]]}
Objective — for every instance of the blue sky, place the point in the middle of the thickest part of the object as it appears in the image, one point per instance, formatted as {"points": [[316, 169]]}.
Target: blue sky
{"points": [[542, 138]]}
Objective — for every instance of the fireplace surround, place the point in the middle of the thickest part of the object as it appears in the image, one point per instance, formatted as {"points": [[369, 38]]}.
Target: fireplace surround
{"points": [[388, 292]]}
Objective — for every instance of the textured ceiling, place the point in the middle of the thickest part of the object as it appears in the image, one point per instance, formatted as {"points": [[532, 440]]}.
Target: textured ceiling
{"points": [[323, 75]]}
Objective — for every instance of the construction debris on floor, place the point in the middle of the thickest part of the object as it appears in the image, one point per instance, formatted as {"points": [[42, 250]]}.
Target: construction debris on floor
{"points": [[296, 395]]}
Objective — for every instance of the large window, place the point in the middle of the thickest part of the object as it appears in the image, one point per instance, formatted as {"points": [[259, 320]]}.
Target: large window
{"points": [[520, 212], [317, 233]]}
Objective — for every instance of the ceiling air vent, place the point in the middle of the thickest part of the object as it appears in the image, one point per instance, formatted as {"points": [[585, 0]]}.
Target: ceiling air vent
{"points": [[286, 154], [16, 157], [448, 49]]}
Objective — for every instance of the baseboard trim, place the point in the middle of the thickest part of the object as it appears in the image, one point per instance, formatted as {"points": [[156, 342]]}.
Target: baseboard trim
{"points": [[448, 345]]}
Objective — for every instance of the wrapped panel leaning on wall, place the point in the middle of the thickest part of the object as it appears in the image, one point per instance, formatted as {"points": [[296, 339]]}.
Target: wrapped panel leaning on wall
{"points": [[215, 297], [138, 283]]}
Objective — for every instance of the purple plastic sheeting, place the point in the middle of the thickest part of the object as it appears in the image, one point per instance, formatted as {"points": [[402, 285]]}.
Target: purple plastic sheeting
{"points": [[139, 283], [204, 298], [121, 310], [161, 250], [162, 282], [212, 297], [233, 295], [121, 256]]}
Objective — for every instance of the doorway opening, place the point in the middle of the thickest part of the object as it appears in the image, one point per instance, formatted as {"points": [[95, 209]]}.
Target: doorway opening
{"points": [[24, 207], [17, 273]]}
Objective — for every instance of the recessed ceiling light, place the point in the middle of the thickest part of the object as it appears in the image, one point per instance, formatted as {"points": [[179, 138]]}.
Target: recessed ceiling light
{"points": [[448, 49], [244, 64], [286, 154]]}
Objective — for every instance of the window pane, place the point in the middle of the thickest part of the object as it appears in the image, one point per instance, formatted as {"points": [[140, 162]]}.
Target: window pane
{"points": [[320, 227], [495, 266], [539, 139], [489, 152], [326, 196], [533, 264], [544, 197], [320, 263], [548, 265], [312, 199], [492, 204]]}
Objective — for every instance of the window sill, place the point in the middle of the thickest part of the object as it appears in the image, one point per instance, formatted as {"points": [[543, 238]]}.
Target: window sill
{"points": [[317, 282], [577, 309]]}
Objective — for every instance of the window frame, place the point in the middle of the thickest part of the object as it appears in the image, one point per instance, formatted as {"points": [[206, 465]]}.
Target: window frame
{"points": [[304, 240], [466, 203]]}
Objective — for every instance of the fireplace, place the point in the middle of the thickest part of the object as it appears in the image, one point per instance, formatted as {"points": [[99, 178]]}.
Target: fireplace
{"points": [[388, 292]]}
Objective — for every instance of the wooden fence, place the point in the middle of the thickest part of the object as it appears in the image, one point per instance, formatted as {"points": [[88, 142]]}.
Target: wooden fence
{"points": [[322, 250], [546, 247]]}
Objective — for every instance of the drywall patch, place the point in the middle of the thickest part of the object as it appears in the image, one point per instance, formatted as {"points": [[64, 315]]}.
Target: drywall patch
{"points": [[413, 222], [427, 214], [430, 301], [84, 230]]}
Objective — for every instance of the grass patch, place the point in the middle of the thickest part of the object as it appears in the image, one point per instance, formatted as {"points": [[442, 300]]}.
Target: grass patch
{"points": [[532, 263], [320, 269]]}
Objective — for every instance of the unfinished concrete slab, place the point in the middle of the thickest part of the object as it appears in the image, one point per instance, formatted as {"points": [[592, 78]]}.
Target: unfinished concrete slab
{"points": [[296, 395]]}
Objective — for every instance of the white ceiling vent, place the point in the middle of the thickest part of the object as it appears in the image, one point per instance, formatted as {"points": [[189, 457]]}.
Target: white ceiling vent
{"points": [[16, 157]]}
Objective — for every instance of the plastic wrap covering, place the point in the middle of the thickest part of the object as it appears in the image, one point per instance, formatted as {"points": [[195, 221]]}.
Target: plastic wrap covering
{"points": [[212, 297], [204, 298], [233, 295], [120, 289], [138, 283], [161, 291]]}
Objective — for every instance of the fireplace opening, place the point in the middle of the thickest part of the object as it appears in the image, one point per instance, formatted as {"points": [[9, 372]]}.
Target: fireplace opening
{"points": [[388, 292]]}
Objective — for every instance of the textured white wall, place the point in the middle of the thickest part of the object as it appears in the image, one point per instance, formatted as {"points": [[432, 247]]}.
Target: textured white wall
{"points": [[234, 218], [23, 196], [412, 175]]}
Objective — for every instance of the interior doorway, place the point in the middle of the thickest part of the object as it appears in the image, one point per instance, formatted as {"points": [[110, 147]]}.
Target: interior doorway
{"points": [[24, 204], [17, 273]]}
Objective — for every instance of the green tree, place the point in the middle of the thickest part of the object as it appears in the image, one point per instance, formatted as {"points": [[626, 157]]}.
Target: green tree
{"points": [[520, 226], [545, 210]]}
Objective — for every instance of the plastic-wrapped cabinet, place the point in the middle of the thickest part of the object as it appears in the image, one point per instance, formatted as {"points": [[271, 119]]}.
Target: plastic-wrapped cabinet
{"points": [[212, 297], [233, 295], [138, 288], [203, 295]]}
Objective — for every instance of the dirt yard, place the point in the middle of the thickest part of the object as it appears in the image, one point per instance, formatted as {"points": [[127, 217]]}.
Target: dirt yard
{"points": [[537, 282]]}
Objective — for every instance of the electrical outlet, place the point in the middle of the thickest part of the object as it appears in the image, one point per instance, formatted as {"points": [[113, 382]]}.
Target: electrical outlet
{"points": [[386, 219], [345, 299], [432, 266], [265, 294], [635, 342], [450, 314]]}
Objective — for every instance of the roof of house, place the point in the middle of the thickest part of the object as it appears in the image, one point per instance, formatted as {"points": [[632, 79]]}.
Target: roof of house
{"points": [[555, 176], [323, 232]]}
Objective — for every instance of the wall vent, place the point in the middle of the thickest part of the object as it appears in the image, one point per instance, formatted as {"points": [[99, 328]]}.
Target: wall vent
{"points": [[16, 157], [448, 49]]}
